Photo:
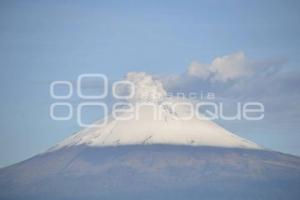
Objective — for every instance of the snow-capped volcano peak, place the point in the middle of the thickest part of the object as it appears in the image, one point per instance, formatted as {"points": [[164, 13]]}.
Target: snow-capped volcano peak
{"points": [[154, 119]]}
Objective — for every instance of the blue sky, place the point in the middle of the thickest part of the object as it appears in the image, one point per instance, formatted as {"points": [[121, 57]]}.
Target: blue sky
{"points": [[58, 40]]}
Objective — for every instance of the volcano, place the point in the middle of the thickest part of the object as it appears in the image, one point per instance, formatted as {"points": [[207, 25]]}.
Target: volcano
{"points": [[174, 157]]}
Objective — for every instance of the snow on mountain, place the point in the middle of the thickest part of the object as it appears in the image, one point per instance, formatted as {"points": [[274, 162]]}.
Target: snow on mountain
{"points": [[155, 119]]}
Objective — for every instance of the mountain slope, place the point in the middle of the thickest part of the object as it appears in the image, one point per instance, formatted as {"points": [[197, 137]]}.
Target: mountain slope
{"points": [[153, 172], [172, 156]]}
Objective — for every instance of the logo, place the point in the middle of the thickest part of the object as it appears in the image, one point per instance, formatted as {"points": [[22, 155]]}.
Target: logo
{"points": [[127, 109]]}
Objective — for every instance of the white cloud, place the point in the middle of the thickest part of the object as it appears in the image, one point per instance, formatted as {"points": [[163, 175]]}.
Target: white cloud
{"points": [[229, 67], [199, 70]]}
